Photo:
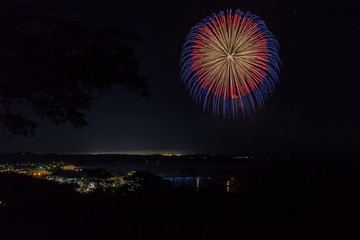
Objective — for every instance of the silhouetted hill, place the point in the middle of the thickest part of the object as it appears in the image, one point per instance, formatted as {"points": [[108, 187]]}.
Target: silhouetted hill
{"points": [[281, 201]]}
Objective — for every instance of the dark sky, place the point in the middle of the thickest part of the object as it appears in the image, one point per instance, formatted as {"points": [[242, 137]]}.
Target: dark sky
{"points": [[314, 109]]}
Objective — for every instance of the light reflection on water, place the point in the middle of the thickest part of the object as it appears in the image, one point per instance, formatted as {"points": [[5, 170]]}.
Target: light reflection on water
{"points": [[200, 183], [195, 182]]}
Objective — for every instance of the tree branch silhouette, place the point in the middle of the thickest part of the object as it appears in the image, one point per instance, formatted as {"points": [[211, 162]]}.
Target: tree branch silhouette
{"points": [[57, 67]]}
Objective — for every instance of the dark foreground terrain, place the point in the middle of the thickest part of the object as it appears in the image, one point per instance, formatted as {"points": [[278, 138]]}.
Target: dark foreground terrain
{"points": [[283, 201]]}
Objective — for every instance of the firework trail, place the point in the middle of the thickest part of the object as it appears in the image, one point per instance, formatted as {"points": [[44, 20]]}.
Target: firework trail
{"points": [[230, 63]]}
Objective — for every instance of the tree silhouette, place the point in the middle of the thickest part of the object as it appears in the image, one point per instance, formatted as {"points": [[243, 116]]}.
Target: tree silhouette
{"points": [[56, 68]]}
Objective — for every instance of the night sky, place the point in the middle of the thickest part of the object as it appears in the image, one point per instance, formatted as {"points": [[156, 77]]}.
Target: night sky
{"points": [[314, 109]]}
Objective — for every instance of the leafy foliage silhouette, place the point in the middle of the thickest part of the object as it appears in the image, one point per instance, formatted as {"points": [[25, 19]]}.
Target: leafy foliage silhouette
{"points": [[56, 67]]}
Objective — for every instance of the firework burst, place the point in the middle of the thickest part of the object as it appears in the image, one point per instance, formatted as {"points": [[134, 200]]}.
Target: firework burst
{"points": [[230, 63]]}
